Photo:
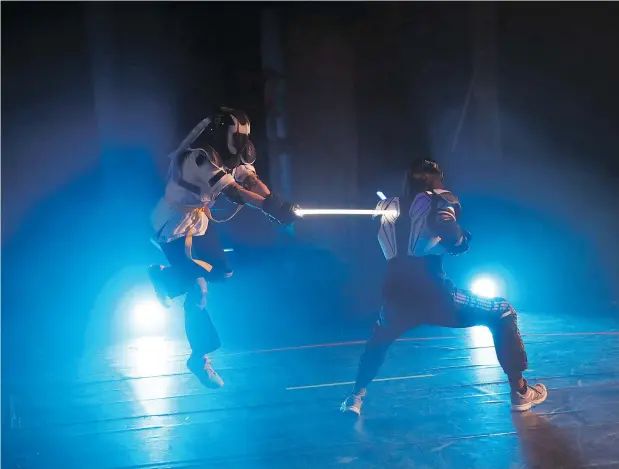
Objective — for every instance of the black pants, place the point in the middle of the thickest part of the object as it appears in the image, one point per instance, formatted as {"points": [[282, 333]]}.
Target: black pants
{"points": [[184, 276], [412, 297]]}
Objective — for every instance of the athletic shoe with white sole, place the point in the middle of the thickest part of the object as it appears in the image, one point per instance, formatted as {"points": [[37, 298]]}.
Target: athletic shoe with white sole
{"points": [[352, 404], [534, 395]]}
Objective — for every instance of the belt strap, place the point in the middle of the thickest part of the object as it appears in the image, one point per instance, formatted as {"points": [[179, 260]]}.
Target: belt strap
{"points": [[195, 213]]}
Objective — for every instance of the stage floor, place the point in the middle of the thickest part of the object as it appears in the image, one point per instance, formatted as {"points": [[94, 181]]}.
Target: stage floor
{"points": [[441, 402]]}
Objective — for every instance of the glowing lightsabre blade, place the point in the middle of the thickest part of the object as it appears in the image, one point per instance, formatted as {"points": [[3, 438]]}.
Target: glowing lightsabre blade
{"points": [[340, 211], [345, 211]]}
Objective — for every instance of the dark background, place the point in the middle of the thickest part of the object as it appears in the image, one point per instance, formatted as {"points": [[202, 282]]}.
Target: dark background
{"points": [[94, 96]]}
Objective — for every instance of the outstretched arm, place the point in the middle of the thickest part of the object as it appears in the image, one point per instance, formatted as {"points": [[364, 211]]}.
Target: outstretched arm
{"points": [[239, 195], [247, 177], [277, 209], [253, 184]]}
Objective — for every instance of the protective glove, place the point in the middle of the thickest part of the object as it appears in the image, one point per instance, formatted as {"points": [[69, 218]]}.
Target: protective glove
{"points": [[279, 210]]}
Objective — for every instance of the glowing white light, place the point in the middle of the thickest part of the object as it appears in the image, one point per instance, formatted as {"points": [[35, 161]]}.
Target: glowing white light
{"points": [[381, 196], [482, 337], [148, 314], [341, 211], [485, 287], [151, 358]]}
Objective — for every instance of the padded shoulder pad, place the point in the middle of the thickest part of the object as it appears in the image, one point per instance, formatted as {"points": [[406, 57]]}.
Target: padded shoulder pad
{"points": [[448, 197], [444, 197]]}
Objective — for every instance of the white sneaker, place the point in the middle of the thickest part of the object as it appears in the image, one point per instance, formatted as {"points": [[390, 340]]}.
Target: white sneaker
{"points": [[352, 404], [204, 371], [534, 395]]}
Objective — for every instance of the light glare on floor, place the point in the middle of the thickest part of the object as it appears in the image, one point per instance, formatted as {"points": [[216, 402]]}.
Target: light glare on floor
{"points": [[148, 314]]}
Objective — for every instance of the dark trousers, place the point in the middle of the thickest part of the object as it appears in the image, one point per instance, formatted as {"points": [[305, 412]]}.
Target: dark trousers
{"points": [[184, 276], [412, 297]]}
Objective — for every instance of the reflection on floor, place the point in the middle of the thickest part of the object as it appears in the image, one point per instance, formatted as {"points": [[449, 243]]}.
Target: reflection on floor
{"points": [[442, 402]]}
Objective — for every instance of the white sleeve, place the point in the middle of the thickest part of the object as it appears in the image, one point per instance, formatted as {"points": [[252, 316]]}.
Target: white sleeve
{"points": [[212, 179], [219, 182], [242, 171]]}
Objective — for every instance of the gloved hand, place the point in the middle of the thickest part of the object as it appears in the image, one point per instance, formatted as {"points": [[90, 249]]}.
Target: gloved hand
{"points": [[463, 246], [279, 210]]}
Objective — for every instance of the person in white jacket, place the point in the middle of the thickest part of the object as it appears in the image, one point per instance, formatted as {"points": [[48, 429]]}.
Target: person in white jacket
{"points": [[215, 159]]}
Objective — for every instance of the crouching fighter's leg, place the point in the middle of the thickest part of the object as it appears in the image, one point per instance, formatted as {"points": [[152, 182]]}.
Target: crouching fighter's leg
{"points": [[448, 307], [389, 326], [186, 276], [201, 334], [465, 309]]}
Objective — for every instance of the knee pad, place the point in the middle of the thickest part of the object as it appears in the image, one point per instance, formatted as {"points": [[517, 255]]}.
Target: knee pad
{"points": [[218, 275]]}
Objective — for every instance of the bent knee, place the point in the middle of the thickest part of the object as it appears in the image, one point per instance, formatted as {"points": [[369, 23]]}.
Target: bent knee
{"points": [[504, 309], [219, 275], [201, 285], [198, 293]]}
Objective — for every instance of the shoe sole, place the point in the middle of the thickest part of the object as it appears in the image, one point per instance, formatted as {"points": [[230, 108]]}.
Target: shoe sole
{"points": [[207, 382], [199, 373], [211, 385], [352, 411]]}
